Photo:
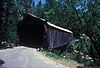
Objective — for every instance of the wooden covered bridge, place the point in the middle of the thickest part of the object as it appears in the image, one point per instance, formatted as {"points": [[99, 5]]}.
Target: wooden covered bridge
{"points": [[36, 32]]}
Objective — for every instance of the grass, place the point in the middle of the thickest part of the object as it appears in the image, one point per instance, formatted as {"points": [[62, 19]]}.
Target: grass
{"points": [[61, 59], [69, 62]]}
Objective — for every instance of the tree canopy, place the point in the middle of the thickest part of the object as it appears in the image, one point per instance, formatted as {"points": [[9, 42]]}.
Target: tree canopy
{"points": [[80, 16]]}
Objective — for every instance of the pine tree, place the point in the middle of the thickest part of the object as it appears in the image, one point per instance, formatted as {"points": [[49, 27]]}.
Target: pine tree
{"points": [[8, 21], [33, 7], [39, 10]]}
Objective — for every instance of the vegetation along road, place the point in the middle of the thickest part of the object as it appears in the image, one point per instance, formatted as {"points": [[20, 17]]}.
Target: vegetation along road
{"points": [[24, 57]]}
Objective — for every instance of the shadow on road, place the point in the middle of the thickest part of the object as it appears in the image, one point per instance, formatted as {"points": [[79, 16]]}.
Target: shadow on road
{"points": [[32, 46], [1, 62]]}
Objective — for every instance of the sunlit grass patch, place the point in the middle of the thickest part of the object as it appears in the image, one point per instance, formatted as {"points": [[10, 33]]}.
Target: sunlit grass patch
{"points": [[65, 60]]}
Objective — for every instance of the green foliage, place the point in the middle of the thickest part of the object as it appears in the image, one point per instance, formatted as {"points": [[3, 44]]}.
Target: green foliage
{"points": [[78, 50], [51, 54], [82, 45], [8, 20], [10, 14], [64, 13], [39, 10], [65, 59], [82, 20]]}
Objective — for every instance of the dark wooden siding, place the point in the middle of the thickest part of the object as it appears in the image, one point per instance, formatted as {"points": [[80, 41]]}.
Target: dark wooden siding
{"points": [[37, 32], [57, 38]]}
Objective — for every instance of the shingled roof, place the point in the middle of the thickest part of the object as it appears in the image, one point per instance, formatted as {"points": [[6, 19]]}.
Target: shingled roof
{"points": [[52, 25]]}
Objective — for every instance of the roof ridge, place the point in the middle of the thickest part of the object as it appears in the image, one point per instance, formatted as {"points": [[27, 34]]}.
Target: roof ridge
{"points": [[53, 25]]}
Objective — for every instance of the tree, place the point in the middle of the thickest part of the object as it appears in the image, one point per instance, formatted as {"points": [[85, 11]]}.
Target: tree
{"points": [[39, 10], [33, 7], [80, 16], [89, 29]]}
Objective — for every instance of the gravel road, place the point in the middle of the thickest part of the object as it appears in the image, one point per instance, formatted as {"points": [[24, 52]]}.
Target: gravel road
{"points": [[24, 57]]}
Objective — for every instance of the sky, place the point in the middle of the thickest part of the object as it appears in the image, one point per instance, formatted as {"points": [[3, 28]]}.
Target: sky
{"points": [[36, 1]]}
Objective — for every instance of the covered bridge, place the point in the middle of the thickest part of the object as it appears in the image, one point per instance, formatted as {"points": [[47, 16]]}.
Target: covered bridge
{"points": [[36, 32]]}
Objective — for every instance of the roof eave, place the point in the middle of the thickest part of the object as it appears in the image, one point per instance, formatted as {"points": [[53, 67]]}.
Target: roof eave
{"points": [[52, 25]]}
